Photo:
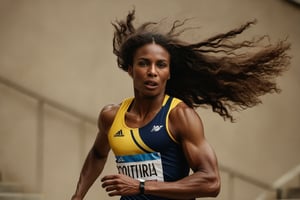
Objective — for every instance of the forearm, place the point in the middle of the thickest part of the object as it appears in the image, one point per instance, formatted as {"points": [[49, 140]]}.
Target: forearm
{"points": [[92, 168], [196, 185]]}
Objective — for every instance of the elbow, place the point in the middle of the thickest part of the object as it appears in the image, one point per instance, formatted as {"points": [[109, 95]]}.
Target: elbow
{"points": [[214, 187], [210, 188]]}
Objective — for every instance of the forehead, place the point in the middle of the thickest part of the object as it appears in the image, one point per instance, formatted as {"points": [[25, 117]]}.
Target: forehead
{"points": [[152, 50]]}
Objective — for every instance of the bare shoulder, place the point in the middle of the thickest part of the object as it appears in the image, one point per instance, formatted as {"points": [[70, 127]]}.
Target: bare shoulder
{"points": [[109, 109], [107, 115], [183, 112], [184, 119]]}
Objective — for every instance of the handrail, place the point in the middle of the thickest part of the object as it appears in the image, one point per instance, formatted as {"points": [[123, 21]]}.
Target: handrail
{"points": [[287, 177], [79, 115], [47, 101], [281, 181], [246, 178]]}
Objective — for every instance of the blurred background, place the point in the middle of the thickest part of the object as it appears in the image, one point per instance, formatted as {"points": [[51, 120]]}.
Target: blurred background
{"points": [[57, 71]]}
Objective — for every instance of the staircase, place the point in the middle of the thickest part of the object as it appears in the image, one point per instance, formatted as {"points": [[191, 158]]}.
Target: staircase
{"points": [[291, 193], [15, 191], [288, 186]]}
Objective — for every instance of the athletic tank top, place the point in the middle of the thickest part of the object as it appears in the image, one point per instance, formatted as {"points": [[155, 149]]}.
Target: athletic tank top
{"points": [[149, 152]]}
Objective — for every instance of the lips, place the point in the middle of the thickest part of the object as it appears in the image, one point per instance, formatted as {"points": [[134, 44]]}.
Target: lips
{"points": [[151, 84]]}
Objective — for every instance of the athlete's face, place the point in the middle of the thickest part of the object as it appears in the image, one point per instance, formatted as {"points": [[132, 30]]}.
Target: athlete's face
{"points": [[150, 70]]}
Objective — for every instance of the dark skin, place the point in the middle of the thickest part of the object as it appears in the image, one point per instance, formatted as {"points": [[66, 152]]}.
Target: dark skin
{"points": [[150, 72]]}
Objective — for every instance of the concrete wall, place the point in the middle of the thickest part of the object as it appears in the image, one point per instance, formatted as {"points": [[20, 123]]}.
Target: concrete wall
{"points": [[62, 50]]}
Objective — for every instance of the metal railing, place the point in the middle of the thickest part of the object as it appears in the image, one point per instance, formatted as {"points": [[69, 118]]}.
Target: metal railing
{"points": [[42, 101], [233, 174], [281, 182], [46, 101]]}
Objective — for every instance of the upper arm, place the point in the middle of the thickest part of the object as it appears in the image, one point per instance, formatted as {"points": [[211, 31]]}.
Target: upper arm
{"points": [[188, 129], [101, 145]]}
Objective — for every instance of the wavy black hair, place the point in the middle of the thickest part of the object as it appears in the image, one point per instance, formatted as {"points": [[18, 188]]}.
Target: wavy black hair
{"points": [[218, 72]]}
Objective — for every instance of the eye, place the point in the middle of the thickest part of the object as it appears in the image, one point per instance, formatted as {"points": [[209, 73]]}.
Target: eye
{"points": [[162, 64], [142, 63]]}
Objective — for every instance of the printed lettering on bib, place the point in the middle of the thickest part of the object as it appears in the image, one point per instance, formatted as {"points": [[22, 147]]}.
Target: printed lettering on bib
{"points": [[146, 166]]}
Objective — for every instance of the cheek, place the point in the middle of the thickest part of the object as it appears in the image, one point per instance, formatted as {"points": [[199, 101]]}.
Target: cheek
{"points": [[167, 74], [137, 74]]}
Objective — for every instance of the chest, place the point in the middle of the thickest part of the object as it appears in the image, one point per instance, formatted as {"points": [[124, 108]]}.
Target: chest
{"points": [[152, 137]]}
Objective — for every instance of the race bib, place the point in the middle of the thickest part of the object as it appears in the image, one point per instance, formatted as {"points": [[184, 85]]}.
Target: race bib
{"points": [[145, 166]]}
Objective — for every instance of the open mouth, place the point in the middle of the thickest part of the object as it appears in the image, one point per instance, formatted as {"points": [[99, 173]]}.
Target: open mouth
{"points": [[151, 84]]}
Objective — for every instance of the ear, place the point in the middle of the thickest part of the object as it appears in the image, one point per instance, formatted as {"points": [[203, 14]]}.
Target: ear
{"points": [[130, 70]]}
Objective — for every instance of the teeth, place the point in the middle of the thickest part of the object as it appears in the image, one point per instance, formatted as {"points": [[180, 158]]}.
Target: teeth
{"points": [[151, 83]]}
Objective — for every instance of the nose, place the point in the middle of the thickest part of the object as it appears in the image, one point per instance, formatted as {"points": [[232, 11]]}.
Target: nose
{"points": [[152, 71]]}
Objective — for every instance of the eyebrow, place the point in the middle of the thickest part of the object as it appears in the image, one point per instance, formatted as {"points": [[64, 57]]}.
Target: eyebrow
{"points": [[147, 59]]}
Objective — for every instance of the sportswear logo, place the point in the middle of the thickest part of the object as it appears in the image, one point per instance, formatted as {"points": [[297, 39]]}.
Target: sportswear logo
{"points": [[156, 128], [119, 134], [120, 160]]}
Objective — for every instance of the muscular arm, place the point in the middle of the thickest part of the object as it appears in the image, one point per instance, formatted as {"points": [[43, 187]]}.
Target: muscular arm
{"points": [[187, 127], [97, 156]]}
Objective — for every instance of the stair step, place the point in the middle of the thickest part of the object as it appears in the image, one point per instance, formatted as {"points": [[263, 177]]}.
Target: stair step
{"points": [[293, 193], [10, 187], [19, 196]]}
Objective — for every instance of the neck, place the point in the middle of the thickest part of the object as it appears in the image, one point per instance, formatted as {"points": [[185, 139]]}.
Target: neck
{"points": [[143, 106]]}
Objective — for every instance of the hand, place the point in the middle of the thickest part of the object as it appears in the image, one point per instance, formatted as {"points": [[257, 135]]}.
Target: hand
{"points": [[121, 185]]}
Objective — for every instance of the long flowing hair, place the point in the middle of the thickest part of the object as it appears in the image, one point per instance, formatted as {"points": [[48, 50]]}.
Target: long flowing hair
{"points": [[218, 72]]}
